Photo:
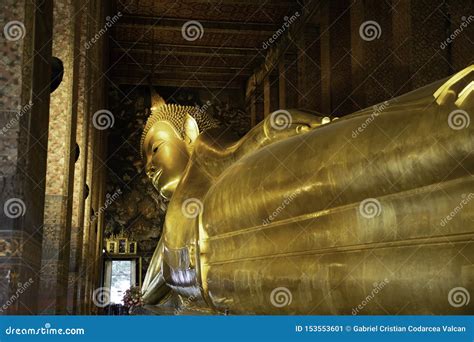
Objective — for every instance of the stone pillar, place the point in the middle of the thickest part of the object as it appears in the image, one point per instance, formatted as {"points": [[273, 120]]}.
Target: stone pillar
{"points": [[86, 262], [61, 158], [274, 91], [291, 76], [253, 110], [281, 84], [24, 109], [459, 49], [90, 256], [336, 83], [266, 96], [372, 55], [308, 66], [259, 100], [80, 170], [419, 58]]}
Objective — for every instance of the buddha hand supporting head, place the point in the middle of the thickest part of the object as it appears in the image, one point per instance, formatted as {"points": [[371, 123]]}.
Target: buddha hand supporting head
{"points": [[167, 143]]}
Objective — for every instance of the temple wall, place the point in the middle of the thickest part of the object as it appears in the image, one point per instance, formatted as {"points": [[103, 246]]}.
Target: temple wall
{"points": [[365, 52]]}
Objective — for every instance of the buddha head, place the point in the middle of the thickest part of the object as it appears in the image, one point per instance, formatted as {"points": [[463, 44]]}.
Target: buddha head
{"points": [[168, 140]]}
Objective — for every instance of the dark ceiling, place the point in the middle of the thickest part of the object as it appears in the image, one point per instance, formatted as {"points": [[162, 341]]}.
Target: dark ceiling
{"points": [[147, 43]]}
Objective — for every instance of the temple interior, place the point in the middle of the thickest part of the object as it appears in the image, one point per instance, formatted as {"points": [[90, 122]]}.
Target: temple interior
{"points": [[80, 219]]}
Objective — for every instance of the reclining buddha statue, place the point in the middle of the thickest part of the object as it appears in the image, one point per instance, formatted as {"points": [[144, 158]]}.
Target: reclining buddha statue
{"points": [[367, 214]]}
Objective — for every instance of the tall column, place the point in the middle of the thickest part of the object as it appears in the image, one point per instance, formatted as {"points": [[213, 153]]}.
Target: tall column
{"points": [[281, 84], [372, 54], [24, 110], [419, 58], [86, 262], [291, 78], [253, 110], [459, 49], [90, 256], [80, 170], [336, 83], [60, 165], [266, 96]]}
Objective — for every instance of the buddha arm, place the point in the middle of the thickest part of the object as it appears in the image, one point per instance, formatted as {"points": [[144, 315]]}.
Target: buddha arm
{"points": [[154, 286]]}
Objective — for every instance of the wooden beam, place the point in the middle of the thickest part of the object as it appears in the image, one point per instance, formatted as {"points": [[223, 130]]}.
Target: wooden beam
{"points": [[195, 52], [138, 45], [181, 69], [225, 27], [135, 80]]}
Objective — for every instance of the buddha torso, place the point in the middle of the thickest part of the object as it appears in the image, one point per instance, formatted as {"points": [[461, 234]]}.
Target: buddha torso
{"points": [[276, 223]]}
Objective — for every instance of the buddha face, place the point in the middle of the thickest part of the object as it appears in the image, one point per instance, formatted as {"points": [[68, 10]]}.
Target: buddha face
{"points": [[166, 156]]}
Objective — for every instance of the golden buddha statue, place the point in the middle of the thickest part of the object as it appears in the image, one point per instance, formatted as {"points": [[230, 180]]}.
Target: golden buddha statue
{"points": [[304, 215]]}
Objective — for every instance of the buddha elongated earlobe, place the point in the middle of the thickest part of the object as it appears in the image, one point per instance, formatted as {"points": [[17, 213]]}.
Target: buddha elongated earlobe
{"points": [[191, 129]]}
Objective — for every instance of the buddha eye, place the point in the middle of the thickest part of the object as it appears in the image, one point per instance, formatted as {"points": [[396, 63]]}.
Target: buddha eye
{"points": [[155, 149]]}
